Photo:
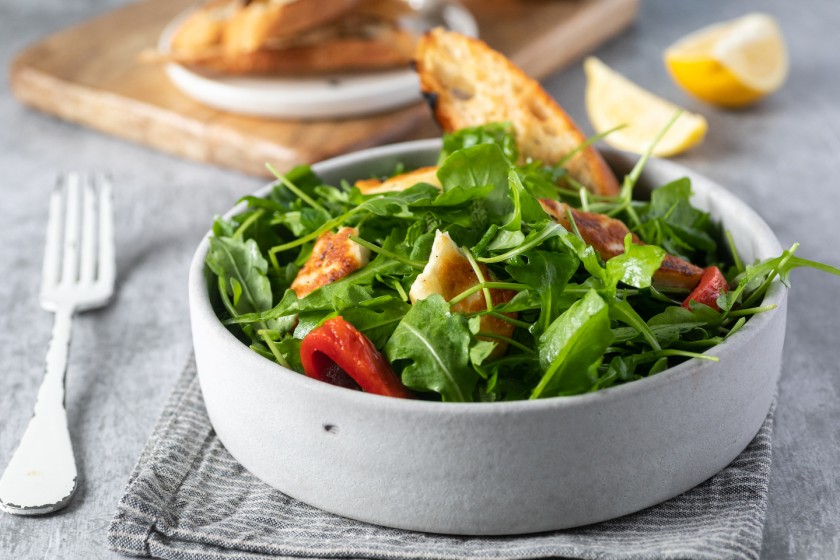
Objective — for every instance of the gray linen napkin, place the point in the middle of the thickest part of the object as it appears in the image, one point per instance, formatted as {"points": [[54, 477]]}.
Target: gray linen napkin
{"points": [[189, 499]]}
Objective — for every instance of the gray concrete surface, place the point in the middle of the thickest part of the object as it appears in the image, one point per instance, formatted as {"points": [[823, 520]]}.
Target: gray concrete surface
{"points": [[782, 156]]}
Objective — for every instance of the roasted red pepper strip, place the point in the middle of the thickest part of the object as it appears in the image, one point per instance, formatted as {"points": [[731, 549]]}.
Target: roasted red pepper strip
{"points": [[711, 285], [339, 354]]}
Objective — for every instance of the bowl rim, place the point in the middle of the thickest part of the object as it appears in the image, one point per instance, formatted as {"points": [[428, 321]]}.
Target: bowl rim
{"points": [[202, 311]]}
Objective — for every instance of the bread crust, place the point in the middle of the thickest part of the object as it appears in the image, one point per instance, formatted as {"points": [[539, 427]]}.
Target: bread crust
{"points": [[469, 84], [203, 29], [266, 20], [390, 48], [235, 26], [367, 37]]}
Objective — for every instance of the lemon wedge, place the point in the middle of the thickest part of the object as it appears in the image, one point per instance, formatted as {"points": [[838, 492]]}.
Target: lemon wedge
{"points": [[733, 63], [612, 100]]}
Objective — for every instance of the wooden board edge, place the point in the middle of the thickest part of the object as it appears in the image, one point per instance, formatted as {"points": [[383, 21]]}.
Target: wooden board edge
{"points": [[101, 110], [148, 125]]}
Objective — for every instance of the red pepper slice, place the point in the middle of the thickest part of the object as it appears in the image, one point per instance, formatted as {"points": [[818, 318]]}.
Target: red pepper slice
{"points": [[336, 352], [711, 285]]}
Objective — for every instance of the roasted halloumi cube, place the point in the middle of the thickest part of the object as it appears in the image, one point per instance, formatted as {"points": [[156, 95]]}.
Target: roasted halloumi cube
{"points": [[334, 256], [606, 235], [400, 182], [449, 273]]}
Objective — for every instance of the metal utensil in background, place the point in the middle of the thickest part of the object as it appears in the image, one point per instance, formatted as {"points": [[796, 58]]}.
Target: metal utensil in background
{"points": [[78, 274], [428, 14]]}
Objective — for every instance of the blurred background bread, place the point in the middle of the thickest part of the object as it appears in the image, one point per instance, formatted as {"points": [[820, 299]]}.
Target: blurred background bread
{"points": [[294, 36]]}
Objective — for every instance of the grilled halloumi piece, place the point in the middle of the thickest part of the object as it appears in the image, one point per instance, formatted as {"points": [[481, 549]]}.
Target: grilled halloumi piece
{"points": [[449, 273], [399, 182], [334, 256], [607, 234]]}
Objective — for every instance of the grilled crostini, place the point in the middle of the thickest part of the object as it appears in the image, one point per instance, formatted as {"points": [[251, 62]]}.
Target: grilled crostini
{"points": [[469, 84]]}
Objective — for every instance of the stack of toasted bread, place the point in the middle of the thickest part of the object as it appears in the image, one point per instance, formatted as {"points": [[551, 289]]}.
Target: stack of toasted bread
{"points": [[294, 36]]}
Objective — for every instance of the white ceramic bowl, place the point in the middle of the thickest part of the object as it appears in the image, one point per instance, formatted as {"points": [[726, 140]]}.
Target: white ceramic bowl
{"points": [[494, 468]]}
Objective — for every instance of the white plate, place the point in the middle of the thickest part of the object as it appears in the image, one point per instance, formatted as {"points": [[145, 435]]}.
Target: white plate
{"points": [[326, 96]]}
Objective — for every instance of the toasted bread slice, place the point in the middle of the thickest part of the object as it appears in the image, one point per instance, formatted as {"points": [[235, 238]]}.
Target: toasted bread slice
{"points": [[368, 38], [261, 21], [469, 84], [389, 10], [388, 49], [204, 29], [241, 26]]}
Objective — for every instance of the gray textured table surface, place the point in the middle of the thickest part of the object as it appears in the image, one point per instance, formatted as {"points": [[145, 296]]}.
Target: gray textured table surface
{"points": [[782, 156]]}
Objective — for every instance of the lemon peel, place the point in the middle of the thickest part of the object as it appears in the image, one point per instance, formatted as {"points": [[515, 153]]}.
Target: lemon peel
{"points": [[733, 63]]}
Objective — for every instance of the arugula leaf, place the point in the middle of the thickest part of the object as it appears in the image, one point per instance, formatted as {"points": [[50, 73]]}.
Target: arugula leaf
{"points": [[510, 378], [621, 310], [500, 134], [669, 220], [675, 323], [244, 269], [309, 320], [523, 301], [541, 180], [460, 196], [576, 328], [397, 204], [480, 350], [300, 176], [525, 207], [572, 346], [635, 266], [464, 206], [435, 344], [547, 274], [479, 166], [538, 235], [756, 279], [346, 292], [620, 369], [505, 240], [289, 347], [222, 227], [377, 318]]}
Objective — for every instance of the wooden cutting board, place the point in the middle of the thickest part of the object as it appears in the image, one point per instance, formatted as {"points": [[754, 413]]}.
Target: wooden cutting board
{"points": [[90, 74]]}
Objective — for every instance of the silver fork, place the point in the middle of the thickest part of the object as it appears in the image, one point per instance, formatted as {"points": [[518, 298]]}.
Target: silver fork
{"points": [[78, 274]]}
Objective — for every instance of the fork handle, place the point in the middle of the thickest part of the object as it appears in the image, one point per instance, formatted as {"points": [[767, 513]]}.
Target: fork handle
{"points": [[51, 392], [41, 476]]}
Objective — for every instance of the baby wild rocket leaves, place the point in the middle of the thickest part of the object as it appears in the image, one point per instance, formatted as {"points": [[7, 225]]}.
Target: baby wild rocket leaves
{"points": [[578, 324]]}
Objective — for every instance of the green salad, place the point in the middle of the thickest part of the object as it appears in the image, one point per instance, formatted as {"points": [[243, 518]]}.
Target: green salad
{"points": [[554, 316]]}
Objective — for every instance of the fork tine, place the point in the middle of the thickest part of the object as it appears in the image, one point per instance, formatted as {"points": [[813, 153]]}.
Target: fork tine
{"points": [[70, 254], [107, 265], [52, 253], [89, 219]]}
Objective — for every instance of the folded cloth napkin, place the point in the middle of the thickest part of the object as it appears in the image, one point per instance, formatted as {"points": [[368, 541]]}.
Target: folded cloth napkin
{"points": [[189, 499]]}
